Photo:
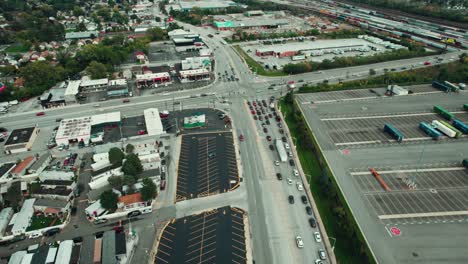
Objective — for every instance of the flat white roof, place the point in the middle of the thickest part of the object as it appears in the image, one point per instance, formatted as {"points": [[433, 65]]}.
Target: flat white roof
{"points": [[64, 252], [72, 88], [74, 128], [313, 45], [176, 32], [149, 76], [113, 117], [194, 72], [101, 156], [118, 82], [206, 4], [85, 83], [24, 215], [27, 259], [56, 175], [51, 255], [5, 215], [94, 207], [154, 126], [17, 257]]}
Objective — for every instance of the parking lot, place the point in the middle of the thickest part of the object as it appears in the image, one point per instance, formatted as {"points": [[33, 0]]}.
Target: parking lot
{"points": [[207, 165], [216, 236], [131, 126], [348, 131], [425, 204]]}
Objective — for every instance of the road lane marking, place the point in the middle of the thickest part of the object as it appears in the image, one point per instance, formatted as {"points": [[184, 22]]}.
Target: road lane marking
{"points": [[415, 215], [383, 116]]}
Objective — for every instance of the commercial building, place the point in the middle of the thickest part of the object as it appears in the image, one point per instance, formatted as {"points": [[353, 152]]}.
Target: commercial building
{"points": [[250, 21], [40, 164], [21, 140], [89, 86], [5, 216], [194, 75], [108, 247], [311, 48], [56, 175], [179, 33], [153, 122], [152, 79], [21, 221], [79, 129], [206, 4], [118, 87], [53, 98], [193, 63], [72, 90], [131, 202]]}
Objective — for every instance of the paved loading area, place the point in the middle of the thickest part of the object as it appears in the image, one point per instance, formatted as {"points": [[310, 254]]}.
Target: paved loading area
{"points": [[216, 236], [207, 165], [424, 212]]}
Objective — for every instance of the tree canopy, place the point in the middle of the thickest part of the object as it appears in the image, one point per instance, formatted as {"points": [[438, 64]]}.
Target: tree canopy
{"points": [[132, 165], [116, 156], [96, 70], [109, 200], [115, 181], [148, 191]]}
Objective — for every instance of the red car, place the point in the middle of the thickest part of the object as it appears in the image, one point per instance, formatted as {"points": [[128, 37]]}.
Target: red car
{"points": [[427, 63], [253, 112], [163, 185], [40, 113], [141, 132], [241, 137]]}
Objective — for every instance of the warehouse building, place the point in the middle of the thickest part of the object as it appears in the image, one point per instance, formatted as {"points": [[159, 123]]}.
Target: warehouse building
{"points": [[153, 122], [250, 20], [311, 47], [185, 5], [193, 63], [117, 88], [21, 140]]}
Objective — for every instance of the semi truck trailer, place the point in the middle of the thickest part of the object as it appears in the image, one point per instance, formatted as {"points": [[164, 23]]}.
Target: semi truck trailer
{"points": [[281, 151], [458, 133], [444, 113], [428, 129], [447, 131], [394, 132], [460, 126]]}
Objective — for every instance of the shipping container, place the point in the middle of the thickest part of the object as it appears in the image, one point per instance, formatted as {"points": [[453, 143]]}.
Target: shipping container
{"points": [[458, 133], [428, 129], [394, 132], [444, 113], [442, 128], [460, 126]]}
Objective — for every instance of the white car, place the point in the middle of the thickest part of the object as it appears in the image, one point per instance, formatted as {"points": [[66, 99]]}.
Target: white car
{"points": [[286, 145], [299, 186], [317, 237], [277, 163], [290, 154], [34, 235], [296, 173], [290, 182], [299, 242]]}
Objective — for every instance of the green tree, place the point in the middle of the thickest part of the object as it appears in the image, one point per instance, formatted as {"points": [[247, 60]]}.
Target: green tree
{"points": [[115, 181], [41, 74], [132, 165], [109, 200], [148, 191], [129, 148], [116, 156], [96, 70], [129, 180], [77, 11], [155, 34], [13, 194]]}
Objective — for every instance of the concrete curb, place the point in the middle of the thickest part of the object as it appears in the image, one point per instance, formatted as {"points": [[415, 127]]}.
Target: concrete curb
{"points": [[321, 227]]}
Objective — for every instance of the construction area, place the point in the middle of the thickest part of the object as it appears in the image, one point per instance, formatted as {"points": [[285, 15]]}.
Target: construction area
{"points": [[399, 162], [216, 236], [207, 165]]}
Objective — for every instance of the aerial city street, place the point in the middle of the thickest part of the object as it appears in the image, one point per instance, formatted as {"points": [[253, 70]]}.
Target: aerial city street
{"points": [[233, 131]]}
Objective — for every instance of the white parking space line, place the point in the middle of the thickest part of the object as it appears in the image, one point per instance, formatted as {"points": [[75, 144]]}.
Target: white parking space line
{"points": [[382, 116], [397, 216], [408, 171]]}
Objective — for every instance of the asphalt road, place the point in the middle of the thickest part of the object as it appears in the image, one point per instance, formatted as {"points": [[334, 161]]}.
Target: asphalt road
{"points": [[270, 218]]}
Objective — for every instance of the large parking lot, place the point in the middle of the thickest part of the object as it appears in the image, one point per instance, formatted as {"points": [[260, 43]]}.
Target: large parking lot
{"points": [[427, 186], [207, 165], [215, 236]]}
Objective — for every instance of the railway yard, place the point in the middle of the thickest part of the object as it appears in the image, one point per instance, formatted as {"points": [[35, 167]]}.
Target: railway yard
{"points": [[408, 197]]}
